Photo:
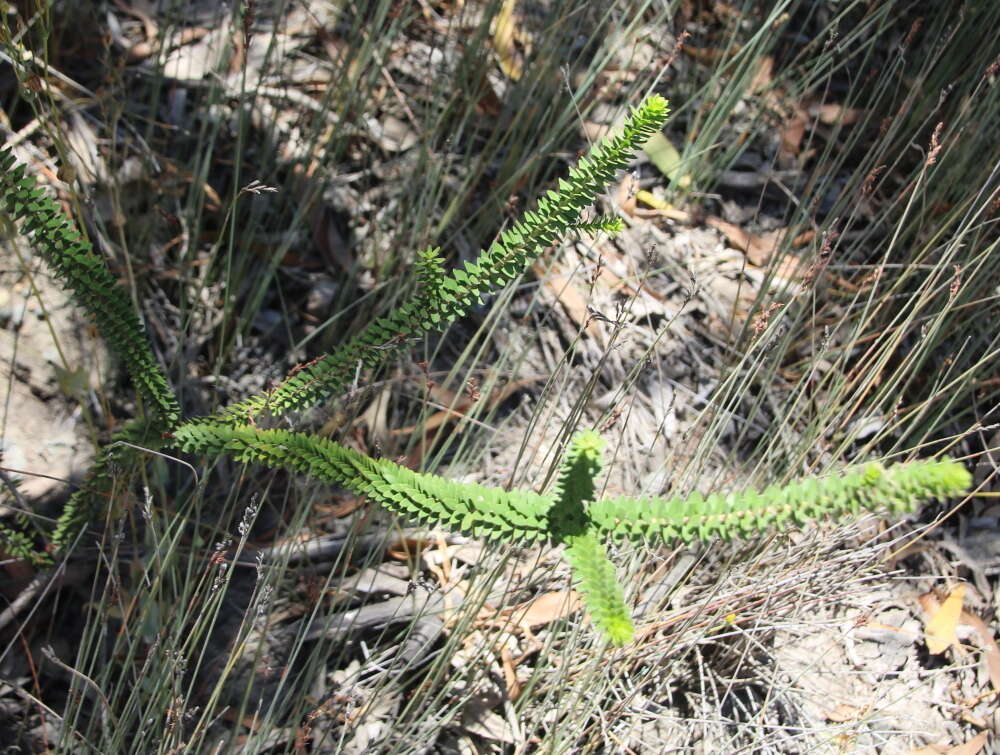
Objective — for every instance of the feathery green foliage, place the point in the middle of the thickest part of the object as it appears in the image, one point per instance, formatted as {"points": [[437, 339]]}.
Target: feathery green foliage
{"points": [[15, 543], [443, 298], [86, 274], [570, 523], [525, 516], [869, 487], [570, 515], [89, 503], [474, 509]]}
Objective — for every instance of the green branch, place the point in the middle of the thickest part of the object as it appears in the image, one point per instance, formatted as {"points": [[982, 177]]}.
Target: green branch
{"points": [[86, 275], [570, 523], [442, 297], [474, 509], [870, 487]]}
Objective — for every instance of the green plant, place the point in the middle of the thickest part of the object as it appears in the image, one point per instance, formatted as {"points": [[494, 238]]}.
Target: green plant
{"points": [[569, 514]]}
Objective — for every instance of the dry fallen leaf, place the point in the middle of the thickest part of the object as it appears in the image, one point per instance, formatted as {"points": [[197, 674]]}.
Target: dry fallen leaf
{"points": [[989, 645], [503, 40], [939, 631], [763, 76], [971, 747], [488, 725], [510, 679], [561, 284], [843, 713], [792, 133], [757, 248], [545, 609], [760, 248], [407, 548], [830, 114]]}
